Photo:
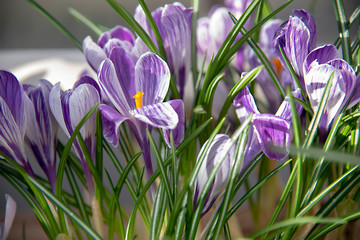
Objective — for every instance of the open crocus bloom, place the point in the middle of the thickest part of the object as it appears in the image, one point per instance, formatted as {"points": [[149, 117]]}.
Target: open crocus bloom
{"points": [[68, 108], [319, 65], [137, 90], [297, 37], [13, 119], [41, 130], [10, 211], [174, 24], [268, 133]]}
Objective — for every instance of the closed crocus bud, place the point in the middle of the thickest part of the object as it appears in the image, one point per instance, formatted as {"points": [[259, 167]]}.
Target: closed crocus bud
{"points": [[221, 150]]}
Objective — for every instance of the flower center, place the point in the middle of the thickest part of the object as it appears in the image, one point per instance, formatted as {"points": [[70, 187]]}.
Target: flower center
{"points": [[278, 65], [138, 99]]}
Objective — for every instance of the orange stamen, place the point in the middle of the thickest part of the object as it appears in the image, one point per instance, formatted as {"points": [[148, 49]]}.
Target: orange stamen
{"points": [[138, 99], [278, 65]]}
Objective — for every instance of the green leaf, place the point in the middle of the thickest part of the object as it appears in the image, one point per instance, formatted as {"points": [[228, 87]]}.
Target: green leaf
{"points": [[94, 27]]}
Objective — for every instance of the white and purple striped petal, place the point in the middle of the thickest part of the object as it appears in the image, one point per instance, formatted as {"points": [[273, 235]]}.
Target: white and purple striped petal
{"points": [[178, 131], [10, 211], [245, 105], [274, 134], [220, 151], [111, 121], [94, 54], [152, 77], [160, 115]]}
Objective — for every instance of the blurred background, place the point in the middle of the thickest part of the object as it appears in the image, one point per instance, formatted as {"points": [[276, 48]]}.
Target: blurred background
{"points": [[29, 43]]}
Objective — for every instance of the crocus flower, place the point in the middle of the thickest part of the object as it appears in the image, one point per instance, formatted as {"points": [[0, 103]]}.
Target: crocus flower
{"points": [[268, 133], [174, 24], [41, 130], [270, 91], [95, 53], [221, 150], [68, 108], [13, 120], [137, 90], [212, 30], [297, 37], [10, 211], [319, 65]]}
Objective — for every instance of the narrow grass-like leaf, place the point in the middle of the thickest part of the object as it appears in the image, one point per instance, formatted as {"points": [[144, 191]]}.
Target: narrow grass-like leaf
{"points": [[278, 227], [57, 24], [164, 176], [228, 195], [158, 211], [343, 30], [129, 19], [331, 226], [94, 27], [88, 229], [155, 29], [247, 79]]}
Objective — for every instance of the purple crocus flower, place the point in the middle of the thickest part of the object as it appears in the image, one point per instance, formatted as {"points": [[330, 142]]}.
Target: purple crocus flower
{"points": [[319, 65], [268, 133], [69, 108], [174, 24], [41, 130], [12, 119], [270, 91], [221, 150], [137, 90], [212, 30], [95, 53], [297, 37], [10, 211]]}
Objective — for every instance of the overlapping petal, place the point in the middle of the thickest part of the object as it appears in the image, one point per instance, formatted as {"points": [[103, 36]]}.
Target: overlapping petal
{"points": [[152, 77], [112, 120], [160, 115], [245, 105], [178, 131]]}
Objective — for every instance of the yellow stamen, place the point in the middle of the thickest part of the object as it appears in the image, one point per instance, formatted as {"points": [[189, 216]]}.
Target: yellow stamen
{"points": [[278, 65], [138, 99]]}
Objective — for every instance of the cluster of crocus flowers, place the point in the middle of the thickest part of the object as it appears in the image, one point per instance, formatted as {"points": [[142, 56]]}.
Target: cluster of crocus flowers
{"points": [[268, 133]]}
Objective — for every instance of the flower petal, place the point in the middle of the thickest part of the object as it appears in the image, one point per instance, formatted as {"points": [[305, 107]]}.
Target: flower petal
{"points": [[284, 110], [10, 211], [11, 89], [178, 131], [315, 82], [160, 115], [275, 135], [93, 53], [244, 104], [152, 77], [320, 55], [56, 107], [113, 88], [307, 18], [118, 32], [218, 151], [111, 120], [82, 99], [356, 97]]}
